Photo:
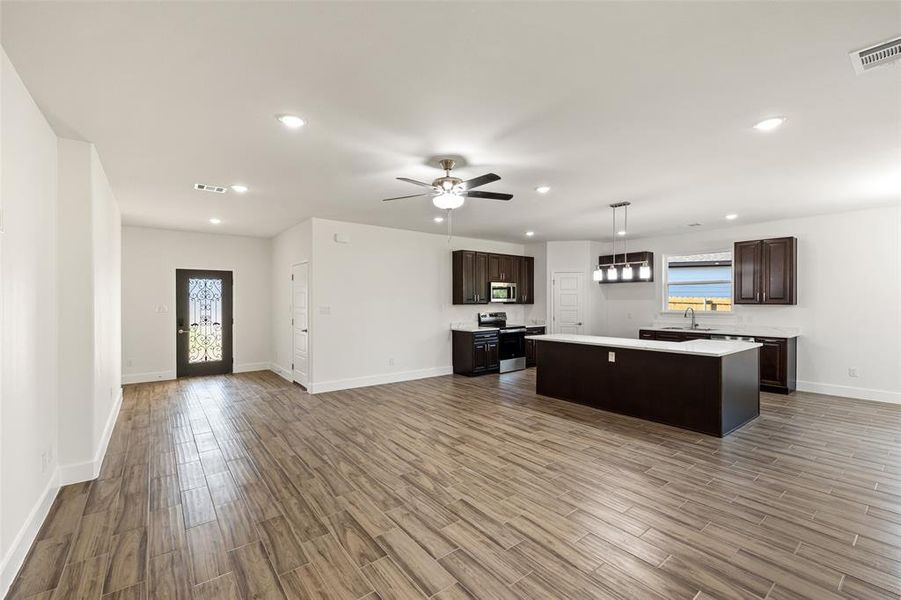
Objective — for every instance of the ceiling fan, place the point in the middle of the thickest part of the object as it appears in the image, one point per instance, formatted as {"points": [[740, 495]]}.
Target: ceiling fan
{"points": [[448, 192]]}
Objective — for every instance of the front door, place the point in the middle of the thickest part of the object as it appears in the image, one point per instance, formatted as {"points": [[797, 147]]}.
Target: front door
{"points": [[203, 321], [568, 296], [300, 300]]}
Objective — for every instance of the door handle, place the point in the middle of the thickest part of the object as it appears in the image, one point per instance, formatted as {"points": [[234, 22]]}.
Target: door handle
{"points": [[183, 331], [579, 323], [303, 330]]}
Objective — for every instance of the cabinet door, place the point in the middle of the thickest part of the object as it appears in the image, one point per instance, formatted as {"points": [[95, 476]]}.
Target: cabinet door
{"points": [[778, 272], [772, 361], [479, 356], [530, 353], [480, 278], [746, 261], [494, 267], [506, 267], [515, 269], [492, 355], [468, 278], [526, 280]]}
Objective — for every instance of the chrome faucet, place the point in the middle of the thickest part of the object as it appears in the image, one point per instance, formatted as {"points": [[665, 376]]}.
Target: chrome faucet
{"points": [[694, 323]]}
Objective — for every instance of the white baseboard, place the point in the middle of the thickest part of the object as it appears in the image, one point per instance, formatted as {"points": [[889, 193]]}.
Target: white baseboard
{"points": [[145, 377], [248, 367], [357, 382], [87, 470], [850, 392], [281, 372], [18, 550]]}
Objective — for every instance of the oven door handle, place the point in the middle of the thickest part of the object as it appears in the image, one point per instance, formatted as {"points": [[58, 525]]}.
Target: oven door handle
{"points": [[505, 331]]}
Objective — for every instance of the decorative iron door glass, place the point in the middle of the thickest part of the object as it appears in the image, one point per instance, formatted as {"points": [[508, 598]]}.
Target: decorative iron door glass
{"points": [[203, 322]]}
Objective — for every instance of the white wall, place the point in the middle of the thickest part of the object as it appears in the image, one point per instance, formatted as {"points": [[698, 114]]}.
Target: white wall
{"points": [[385, 297], [849, 297], [107, 304], [88, 255], [289, 248], [149, 260], [28, 363]]}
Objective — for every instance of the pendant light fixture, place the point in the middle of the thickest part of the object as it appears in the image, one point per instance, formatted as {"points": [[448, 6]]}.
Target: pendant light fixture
{"points": [[624, 271]]}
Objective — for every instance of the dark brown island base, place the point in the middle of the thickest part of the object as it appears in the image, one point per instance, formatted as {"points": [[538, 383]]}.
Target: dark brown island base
{"points": [[709, 386]]}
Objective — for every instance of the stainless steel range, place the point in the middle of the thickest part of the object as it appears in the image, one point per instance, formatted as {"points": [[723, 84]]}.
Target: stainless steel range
{"points": [[511, 341]]}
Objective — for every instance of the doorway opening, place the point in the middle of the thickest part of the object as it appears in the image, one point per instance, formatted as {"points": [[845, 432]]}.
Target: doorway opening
{"points": [[203, 321]]}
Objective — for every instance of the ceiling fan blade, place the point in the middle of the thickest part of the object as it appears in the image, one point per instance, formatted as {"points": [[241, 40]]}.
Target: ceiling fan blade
{"points": [[477, 181], [414, 182], [488, 195], [410, 196]]}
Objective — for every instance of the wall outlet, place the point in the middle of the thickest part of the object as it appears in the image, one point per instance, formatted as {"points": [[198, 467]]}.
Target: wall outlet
{"points": [[325, 310], [391, 362], [130, 362], [852, 372], [611, 357]]}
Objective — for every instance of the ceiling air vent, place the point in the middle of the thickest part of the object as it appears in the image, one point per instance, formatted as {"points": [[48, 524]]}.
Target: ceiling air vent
{"points": [[876, 56], [209, 188]]}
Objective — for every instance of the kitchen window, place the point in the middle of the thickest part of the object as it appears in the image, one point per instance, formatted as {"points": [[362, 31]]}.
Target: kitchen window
{"points": [[699, 281]]}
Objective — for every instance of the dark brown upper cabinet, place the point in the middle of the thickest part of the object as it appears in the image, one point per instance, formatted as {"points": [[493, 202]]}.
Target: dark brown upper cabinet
{"points": [[766, 271], [525, 282], [474, 271], [500, 267], [470, 273]]}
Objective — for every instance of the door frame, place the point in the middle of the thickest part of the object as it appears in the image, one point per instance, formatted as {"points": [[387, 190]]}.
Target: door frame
{"points": [[553, 302], [228, 312], [309, 384]]}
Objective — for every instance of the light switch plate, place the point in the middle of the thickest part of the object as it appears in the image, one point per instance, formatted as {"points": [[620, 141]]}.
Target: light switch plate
{"points": [[611, 357]]}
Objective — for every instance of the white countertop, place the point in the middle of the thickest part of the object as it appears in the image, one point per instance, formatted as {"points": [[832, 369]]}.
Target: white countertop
{"points": [[474, 328], [743, 329], [696, 347]]}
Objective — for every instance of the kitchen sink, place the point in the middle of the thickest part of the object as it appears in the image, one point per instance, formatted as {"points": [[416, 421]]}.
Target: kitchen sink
{"points": [[690, 329]]}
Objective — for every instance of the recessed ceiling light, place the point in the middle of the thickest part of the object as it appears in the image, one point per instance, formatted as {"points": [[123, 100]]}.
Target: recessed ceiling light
{"points": [[732, 217], [530, 233], [291, 121], [215, 220], [770, 124], [543, 189], [438, 219], [240, 189], [621, 232]]}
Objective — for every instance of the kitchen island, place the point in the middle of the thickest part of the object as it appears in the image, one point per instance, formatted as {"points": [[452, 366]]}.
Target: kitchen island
{"points": [[709, 386]]}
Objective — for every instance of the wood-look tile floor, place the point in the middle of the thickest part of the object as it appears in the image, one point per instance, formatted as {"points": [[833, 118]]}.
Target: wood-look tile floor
{"points": [[246, 487]]}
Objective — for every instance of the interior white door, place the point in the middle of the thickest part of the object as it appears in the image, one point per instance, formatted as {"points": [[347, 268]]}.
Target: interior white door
{"points": [[300, 308], [568, 299]]}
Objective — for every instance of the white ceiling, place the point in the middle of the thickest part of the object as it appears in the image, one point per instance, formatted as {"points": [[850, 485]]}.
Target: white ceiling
{"points": [[647, 102]]}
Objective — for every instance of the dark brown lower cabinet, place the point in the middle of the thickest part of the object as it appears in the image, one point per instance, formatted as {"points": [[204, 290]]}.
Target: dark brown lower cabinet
{"points": [[778, 357], [532, 345], [475, 352], [778, 364]]}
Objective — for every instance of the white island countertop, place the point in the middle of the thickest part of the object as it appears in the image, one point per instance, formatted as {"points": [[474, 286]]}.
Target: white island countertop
{"points": [[696, 347]]}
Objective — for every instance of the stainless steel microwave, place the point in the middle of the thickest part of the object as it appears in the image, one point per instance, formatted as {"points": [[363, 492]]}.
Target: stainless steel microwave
{"points": [[503, 291]]}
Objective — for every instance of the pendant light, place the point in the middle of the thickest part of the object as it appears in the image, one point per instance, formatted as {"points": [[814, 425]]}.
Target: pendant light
{"points": [[627, 269], [611, 270], [645, 271]]}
